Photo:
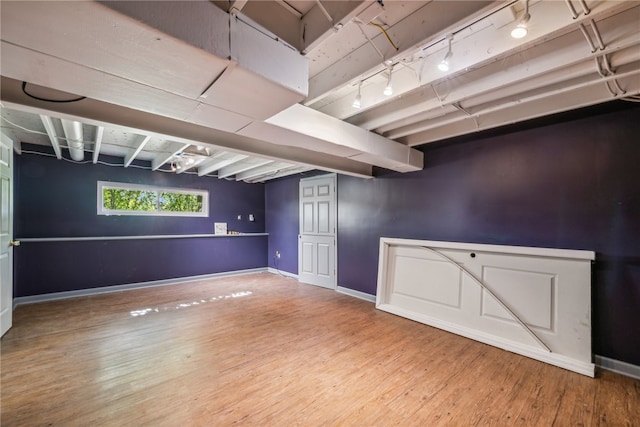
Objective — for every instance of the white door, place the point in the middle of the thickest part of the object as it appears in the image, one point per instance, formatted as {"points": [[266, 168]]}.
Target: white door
{"points": [[317, 238], [6, 233]]}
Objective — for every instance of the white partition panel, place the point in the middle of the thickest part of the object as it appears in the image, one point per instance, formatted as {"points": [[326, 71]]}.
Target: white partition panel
{"points": [[531, 301]]}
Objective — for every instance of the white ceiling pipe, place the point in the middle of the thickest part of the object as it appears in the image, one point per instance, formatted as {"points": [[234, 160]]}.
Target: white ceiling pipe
{"points": [[75, 142]]}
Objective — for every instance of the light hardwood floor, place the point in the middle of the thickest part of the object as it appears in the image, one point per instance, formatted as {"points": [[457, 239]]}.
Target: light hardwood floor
{"points": [[264, 350]]}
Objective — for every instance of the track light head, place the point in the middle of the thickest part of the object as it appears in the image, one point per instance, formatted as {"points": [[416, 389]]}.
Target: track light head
{"points": [[444, 64], [388, 89], [357, 103], [521, 29]]}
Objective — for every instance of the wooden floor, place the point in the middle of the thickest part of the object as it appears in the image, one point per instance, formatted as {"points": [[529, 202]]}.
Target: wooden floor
{"points": [[264, 350]]}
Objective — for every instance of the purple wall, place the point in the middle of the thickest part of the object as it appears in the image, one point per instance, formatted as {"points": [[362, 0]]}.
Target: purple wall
{"points": [[54, 198], [573, 184], [281, 203]]}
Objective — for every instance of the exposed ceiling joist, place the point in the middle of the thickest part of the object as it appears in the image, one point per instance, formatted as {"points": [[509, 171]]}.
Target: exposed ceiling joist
{"points": [[171, 149], [51, 132], [98, 143], [267, 169], [423, 26], [289, 8], [279, 174], [236, 6], [218, 163], [237, 168], [98, 113], [138, 145]]}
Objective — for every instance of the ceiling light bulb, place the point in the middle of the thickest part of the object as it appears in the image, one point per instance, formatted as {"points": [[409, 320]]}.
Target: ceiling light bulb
{"points": [[388, 89], [357, 103], [444, 64], [521, 29]]}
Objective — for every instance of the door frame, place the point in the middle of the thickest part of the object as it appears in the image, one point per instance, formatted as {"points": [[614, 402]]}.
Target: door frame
{"points": [[8, 239], [335, 215]]}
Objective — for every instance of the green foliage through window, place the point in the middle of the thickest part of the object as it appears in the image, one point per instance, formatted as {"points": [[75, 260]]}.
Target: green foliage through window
{"points": [[177, 202], [132, 199], [115, 199]]}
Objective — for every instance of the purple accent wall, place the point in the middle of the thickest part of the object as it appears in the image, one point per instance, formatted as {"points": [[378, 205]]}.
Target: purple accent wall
{"points": [[283, 220], [281, 203], [66, 266], [571, 184], [54, 198]]}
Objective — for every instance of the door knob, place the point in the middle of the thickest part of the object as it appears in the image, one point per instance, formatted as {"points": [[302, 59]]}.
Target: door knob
{"points": [[14, 243]]}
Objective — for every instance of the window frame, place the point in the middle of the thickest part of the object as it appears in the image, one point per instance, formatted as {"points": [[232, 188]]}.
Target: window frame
{"points": [[155, 189]]}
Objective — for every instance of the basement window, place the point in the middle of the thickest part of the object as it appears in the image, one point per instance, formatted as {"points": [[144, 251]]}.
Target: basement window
{"points": [[118, 198]]}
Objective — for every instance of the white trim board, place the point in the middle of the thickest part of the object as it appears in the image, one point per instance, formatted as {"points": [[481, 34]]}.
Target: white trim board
{"points": [[130, 286], [356, 294], [282, 273], [617, 366]]}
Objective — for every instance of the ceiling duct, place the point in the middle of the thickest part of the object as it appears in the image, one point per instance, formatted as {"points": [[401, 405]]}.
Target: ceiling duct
{"points": [[75, 142]]}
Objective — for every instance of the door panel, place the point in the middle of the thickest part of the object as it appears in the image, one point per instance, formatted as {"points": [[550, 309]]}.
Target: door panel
{"points": [[324, 218], [317, 261], [317, 247], [307, 258], [307, 218]]}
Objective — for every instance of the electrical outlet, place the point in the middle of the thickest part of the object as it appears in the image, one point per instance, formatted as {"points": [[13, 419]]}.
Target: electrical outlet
{"points": [[278, 254]]}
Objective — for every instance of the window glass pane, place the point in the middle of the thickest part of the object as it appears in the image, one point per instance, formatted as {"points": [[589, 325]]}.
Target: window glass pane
{"points": [[117, 199], [180, 202]]}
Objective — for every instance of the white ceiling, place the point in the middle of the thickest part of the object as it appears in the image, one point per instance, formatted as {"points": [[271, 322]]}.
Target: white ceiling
{"points": [[267, 90]]}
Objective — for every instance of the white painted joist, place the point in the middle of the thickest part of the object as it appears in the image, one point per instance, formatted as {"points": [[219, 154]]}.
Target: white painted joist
{"points": [[318, 28], [97, 145], [218, 163], [280, 174], [169, 150], [262, 170], [239, 167], [51, 132], [541, 64], [138, 145], [194, 165], [427, 23], [513, 112]]}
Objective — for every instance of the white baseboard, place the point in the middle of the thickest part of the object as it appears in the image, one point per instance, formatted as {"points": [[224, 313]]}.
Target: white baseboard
{"points": [[617, 366], [282, 273], [118, 288], [356, 294]]}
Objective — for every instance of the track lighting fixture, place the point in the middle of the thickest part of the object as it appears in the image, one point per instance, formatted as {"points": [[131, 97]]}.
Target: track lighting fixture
{"points": [[521, 28], [444, 64], [388, 89], [357, 103]]}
